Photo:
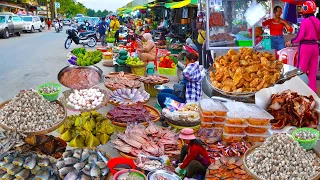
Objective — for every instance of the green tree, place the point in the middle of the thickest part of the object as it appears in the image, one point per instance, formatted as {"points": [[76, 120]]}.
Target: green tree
{"points": [[99, 13], [91, 12]]}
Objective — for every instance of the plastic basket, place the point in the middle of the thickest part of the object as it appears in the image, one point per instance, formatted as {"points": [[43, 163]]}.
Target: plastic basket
{"points": [[150, 89], [244, 43], [53, 96], [167, 71], [175, 51], [139, 70], [179, 128], [124, 68], [307, 144]]}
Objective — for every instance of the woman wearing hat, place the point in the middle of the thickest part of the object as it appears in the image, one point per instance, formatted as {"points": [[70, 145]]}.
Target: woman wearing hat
{"points": [[194, 156]]}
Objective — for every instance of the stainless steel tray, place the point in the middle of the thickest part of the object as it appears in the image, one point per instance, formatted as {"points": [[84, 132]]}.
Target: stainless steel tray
{"points": [[166, 174], [68, 68]]}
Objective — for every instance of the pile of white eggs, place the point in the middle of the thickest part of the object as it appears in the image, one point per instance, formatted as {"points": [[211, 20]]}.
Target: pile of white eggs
{"points": [[85, 99]]}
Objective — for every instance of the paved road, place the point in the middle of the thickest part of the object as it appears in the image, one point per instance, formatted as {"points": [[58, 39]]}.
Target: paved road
{"points": [[30, 60]]}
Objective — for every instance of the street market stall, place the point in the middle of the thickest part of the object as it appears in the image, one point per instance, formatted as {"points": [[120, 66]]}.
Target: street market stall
{"points": [[106, 126]]}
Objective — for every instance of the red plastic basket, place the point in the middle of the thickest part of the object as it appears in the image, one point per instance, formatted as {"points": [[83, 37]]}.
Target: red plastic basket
{"points": [[120, 160]]}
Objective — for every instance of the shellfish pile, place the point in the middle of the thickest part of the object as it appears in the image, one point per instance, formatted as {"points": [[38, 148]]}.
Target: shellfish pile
{"points": [[29, 111], [128, 96], [27, 166], [82, 164], [281, 157]]}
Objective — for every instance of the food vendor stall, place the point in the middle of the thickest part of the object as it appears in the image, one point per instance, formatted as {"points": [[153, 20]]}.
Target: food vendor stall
{"points": [[227, 30]]}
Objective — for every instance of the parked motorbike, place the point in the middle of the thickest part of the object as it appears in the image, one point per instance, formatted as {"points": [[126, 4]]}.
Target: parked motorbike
{"points": [[58, 26], [83, 38]]}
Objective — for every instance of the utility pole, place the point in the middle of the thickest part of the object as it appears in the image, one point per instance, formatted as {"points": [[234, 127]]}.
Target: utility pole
{"points": [[47, 7]]}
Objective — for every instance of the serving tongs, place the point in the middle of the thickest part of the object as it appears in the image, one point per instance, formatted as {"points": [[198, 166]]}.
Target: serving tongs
{"points": [[288, 75]]}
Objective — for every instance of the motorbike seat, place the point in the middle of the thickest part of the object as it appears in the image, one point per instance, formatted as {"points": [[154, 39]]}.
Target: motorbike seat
{"points": [[83, 34]]}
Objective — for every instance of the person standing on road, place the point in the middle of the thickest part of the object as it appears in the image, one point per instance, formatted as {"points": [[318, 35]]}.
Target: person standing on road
{"points": [[115, 26], [308, 38], [102, 31], [49, 23]]}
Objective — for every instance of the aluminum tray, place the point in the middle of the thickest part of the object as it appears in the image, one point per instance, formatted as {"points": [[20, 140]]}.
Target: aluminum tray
{"points": [[68, 68], [166, 174]]}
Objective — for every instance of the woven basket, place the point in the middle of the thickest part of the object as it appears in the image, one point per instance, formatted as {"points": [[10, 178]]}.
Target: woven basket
{"points": [[45, 131]]}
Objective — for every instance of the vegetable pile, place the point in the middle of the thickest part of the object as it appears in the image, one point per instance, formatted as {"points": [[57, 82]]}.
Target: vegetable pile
{"points": [[29, 112], [85, 58], [168, 62], [134, 61], [136, 113], [89, 129], [123, 56]]}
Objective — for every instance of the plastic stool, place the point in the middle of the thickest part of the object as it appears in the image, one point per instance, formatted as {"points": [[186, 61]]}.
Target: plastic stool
{"points": [[290, 53], [150, 69]]}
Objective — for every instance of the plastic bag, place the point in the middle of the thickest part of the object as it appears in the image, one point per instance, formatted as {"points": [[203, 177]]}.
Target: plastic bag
{"points": [[255, 13]]}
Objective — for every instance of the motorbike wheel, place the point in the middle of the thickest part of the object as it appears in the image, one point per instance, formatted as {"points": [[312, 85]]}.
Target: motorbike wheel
{"points": [[92, 42], [67, 44]]}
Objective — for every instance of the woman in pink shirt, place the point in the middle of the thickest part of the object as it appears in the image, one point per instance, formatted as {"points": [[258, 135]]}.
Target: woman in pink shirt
{"points": [[307, 39]]}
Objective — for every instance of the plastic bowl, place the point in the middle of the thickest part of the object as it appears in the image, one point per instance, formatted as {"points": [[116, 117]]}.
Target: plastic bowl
{"points": [[52, 96], [120, 160], [161, 87], [307, 144], [115, 177]]}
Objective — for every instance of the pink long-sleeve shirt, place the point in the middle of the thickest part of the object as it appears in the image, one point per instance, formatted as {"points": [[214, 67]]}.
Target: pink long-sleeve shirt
{"points": [[309, 30]]}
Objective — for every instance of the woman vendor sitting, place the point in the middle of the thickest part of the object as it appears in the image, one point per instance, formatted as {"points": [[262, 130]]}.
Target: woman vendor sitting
{"points": [[148, 52], [193, 75], [194, 157]]}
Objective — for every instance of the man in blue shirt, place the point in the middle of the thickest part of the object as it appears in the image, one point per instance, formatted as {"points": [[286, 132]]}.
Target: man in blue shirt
{"points": [[102, 31]]}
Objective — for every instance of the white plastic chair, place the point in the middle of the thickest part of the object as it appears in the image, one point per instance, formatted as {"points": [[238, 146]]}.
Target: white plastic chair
{"points": [[288, 53]]}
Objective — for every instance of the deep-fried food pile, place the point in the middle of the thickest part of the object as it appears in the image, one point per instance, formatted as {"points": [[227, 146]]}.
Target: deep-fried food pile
{"points": [[290, 108], [245, 71]]}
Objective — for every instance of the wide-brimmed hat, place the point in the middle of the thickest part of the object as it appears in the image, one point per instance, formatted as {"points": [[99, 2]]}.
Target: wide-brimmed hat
{"points": [[187, 134]]}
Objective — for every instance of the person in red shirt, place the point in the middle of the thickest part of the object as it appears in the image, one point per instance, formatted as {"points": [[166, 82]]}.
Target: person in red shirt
{"points": [[194, 156], [276, 26]]}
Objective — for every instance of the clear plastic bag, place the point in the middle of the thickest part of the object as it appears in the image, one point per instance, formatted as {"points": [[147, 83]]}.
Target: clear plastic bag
{"points": [[255, 13]]}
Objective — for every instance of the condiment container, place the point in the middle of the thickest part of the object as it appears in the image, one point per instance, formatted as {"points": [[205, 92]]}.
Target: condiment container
{"points": [[256, 137], [236, 121], [206, 125], [234, 128], [253, 129], [218, 125], [211, 118], [232, 137], [210, 107], [258, 116]]}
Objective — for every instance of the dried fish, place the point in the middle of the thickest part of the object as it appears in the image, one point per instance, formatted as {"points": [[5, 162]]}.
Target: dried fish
{"points": [[87, 165]]}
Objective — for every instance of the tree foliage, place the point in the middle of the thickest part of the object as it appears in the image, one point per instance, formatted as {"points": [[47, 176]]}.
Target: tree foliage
{"points": [[99, 13], [71, 8]]}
